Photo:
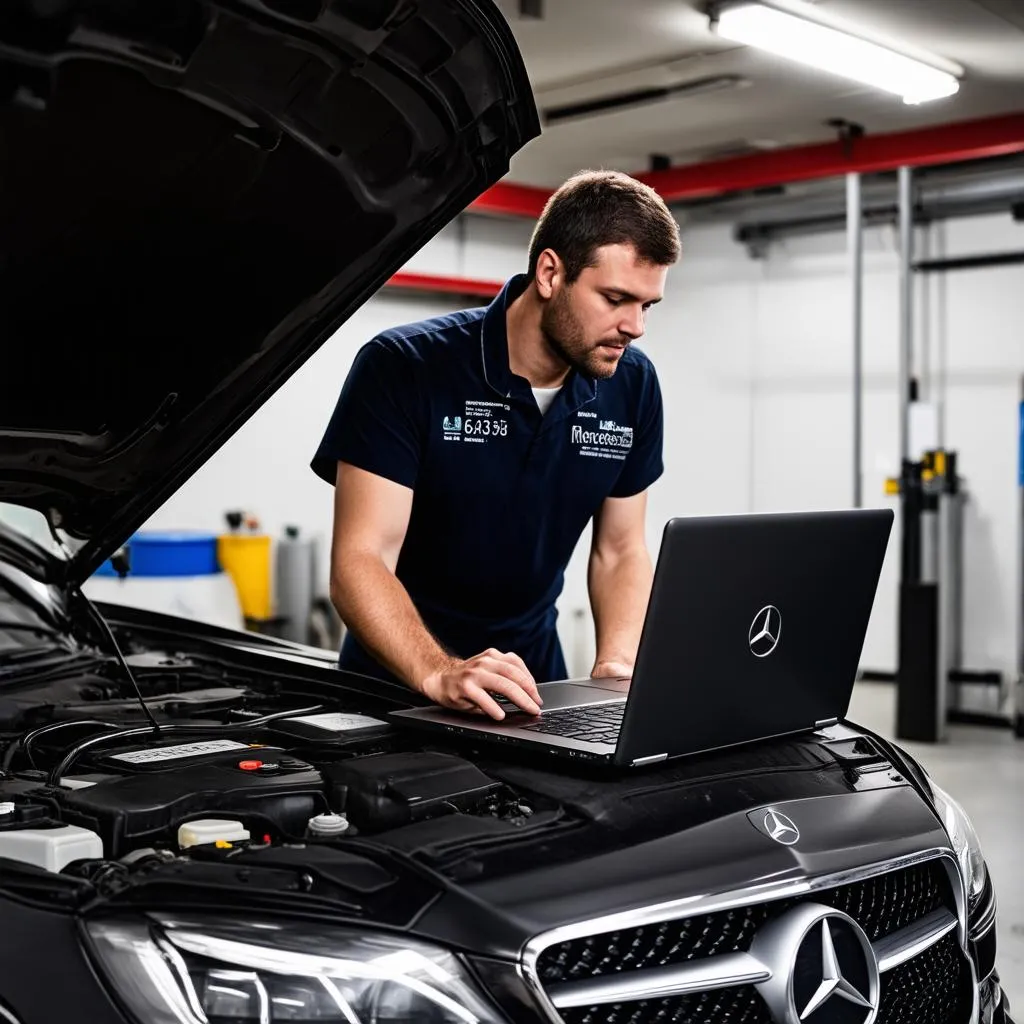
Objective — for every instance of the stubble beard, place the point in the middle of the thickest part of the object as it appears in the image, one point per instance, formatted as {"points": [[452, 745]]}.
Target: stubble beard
{"points": [[567, 339]]}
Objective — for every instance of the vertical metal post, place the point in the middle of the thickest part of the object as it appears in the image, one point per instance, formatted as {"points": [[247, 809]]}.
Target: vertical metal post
{"points": [[917, 643], [855, 245], [941, 331], [1019, 695], [906, 305], [923, 323], [946, 565]]}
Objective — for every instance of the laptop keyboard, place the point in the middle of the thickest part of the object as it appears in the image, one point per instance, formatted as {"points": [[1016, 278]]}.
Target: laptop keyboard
{"points": [[598, 724]]}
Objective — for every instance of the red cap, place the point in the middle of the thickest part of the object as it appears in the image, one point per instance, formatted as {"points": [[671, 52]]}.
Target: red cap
{"points": [[250, 766]]}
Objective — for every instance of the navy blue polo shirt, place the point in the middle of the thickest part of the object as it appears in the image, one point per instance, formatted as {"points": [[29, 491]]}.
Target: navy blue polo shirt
{"points": [[502, 493]]}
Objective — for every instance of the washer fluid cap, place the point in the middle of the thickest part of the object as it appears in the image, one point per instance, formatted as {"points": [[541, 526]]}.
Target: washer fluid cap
{"points": [[328, 825]]}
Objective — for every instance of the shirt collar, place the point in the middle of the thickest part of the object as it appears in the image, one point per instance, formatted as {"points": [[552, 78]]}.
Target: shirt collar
{"points": [[578, 389]]}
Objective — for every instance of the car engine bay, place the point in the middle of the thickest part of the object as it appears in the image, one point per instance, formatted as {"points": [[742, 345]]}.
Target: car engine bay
{"points": [[233, 767], [223, 772]]}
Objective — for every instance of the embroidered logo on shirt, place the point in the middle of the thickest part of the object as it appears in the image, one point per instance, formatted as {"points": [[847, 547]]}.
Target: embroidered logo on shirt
{"points": [[452, 424], [484, 421], [613, 427], [608, 441]]}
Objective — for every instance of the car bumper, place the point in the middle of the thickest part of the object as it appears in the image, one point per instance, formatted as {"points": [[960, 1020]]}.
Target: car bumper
{"points": [[994, 1007]]}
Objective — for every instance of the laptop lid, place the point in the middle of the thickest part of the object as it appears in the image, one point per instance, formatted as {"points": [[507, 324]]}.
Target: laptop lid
{"points": [[754, 628]]}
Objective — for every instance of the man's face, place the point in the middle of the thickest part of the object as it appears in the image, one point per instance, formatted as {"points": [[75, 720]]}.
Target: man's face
{"points": [[589, 323]]}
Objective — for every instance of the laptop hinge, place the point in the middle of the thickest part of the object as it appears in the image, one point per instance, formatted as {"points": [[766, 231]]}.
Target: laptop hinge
{"points": [[650, 759], [825, 721]]}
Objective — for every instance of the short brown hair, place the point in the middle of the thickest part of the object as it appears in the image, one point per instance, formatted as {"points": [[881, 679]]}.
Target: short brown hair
{"points": [[595, 208]]}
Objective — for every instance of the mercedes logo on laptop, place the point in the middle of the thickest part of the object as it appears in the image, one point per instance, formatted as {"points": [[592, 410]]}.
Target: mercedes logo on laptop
{"points": [[765, 631]]}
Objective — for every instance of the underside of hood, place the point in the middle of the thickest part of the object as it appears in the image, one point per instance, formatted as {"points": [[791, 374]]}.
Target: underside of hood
{"points": [[194, 196]]}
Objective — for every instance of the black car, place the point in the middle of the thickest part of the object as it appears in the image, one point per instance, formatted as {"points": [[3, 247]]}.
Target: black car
{"points": [[200, 825]]}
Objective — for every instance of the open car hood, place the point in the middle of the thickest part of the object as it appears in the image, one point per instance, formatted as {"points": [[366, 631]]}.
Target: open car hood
{"points": [[194, 195]]}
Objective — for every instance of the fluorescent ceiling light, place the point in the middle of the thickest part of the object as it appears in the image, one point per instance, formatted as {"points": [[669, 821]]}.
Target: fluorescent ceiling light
{"points": [[811, 42]]}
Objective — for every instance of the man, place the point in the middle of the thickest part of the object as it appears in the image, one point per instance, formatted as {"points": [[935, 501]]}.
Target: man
{"points": [[470, 451]]}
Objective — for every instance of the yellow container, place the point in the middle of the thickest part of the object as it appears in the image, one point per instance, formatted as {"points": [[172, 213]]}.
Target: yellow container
{"points": [[245, 557]]}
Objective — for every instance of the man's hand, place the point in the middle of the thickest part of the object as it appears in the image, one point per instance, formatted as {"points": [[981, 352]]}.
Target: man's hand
{"points": [[611, 670], [464, 685]]}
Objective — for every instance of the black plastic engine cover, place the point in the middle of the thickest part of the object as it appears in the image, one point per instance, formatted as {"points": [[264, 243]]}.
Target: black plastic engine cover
{"points": [[140, 809], [390, 790]]}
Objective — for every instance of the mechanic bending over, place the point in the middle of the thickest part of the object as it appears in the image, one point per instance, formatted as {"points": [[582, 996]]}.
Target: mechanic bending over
{"points": [[470, 451]]}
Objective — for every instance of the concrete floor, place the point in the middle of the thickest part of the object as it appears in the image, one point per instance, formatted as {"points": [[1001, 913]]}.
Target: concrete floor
{"points": [[983, 769]]}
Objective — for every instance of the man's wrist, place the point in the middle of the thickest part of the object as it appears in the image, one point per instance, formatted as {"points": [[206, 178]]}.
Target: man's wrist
{"points": [[431, 670], [620, 654], [618, 657]]}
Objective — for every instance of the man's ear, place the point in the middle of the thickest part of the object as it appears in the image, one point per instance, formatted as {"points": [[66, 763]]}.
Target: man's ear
{"points": [[550, 273]]}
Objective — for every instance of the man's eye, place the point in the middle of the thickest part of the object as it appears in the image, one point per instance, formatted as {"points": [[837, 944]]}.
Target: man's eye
{"points": [[613, 301]]}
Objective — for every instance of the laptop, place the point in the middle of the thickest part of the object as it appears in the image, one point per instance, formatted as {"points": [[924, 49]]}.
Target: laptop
{"points": [[754, 629]]}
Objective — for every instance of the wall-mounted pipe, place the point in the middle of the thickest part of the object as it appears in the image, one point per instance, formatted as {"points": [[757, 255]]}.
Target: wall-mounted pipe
{"points": [[823, 211], [988, 259]]}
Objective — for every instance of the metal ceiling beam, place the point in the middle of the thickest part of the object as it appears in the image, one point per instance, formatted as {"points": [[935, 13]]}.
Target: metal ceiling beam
{"points": [[438, 284], [512, 200], [920, 147]]}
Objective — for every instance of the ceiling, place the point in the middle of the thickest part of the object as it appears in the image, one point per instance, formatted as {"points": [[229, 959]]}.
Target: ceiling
{"points": [[582, 50]]}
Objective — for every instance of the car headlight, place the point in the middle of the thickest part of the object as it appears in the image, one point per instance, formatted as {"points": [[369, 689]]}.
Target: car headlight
{"points": [[964, 841], [218, 971]]}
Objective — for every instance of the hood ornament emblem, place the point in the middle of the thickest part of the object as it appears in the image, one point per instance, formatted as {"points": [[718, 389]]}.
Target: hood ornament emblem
{"points": [[781, 828]]}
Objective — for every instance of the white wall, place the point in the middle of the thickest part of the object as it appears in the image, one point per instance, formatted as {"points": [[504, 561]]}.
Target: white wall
{"points": [[781, 328], [755, 362]]}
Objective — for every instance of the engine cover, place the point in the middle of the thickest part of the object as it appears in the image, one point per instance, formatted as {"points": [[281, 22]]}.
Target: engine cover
{"points": [[137, 797]]}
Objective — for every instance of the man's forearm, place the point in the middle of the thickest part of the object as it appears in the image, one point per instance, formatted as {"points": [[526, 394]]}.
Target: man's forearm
{"points": [[375, 606], [620, 587]]}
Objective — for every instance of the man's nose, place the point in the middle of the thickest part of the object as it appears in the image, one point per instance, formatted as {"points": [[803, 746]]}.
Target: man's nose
{"points": [[632, 324]]}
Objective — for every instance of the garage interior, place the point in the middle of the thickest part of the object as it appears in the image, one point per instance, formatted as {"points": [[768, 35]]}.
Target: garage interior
{"points": [[845, 328]]}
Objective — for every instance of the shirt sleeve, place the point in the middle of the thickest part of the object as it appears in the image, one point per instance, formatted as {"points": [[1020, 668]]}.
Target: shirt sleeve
{"points": [[644, 464], [375, 425]]}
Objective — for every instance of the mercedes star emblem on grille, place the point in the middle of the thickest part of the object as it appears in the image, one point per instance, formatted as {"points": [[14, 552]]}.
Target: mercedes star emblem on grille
{"points": [[781, 828], [823, 967], [834, 984], [765, 631]]}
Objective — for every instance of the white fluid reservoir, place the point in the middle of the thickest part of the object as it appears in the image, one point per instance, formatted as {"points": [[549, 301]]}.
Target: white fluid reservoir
{"points": [[50, 848]]}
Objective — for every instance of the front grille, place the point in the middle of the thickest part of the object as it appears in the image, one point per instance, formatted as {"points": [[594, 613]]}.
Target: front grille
{"points": [[929, 989], [926, 990], [728, 1006], [880, 905]]}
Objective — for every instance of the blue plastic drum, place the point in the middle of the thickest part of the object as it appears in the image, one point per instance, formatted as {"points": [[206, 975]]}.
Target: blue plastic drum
{"points": [[170, 553]]}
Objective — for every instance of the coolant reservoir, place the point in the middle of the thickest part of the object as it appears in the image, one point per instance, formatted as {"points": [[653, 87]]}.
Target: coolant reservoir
{"points": [[204, 831], [50, 848]]}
